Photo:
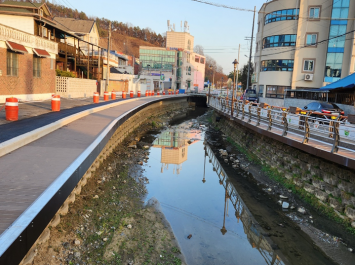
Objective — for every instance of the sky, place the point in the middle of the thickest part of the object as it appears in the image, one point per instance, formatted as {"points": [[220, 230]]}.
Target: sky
{"points": [[218, 30]]}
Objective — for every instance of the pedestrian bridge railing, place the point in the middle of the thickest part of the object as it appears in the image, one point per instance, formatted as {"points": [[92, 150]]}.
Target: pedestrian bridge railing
{"points": [[334, 129]]}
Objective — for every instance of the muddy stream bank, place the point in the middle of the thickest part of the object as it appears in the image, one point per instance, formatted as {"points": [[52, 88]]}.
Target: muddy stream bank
{"points": [[176, 191]]}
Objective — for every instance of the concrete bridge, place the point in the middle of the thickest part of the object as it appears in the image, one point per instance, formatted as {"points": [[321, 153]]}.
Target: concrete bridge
{"points": [[46, 160]]}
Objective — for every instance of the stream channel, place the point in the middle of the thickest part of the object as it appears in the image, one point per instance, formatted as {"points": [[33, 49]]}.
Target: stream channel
{"points": [[210, 220]]}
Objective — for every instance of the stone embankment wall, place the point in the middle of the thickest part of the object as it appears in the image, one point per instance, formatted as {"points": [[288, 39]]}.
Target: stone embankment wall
{"points": [[331, 184], [142, 117]]}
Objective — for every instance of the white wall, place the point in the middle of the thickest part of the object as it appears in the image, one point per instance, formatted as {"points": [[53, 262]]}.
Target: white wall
{"points": [[22, 23]]}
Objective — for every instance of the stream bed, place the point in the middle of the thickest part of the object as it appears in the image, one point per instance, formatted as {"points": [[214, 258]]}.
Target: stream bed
{"points": [[209, 219], [218, 212]]}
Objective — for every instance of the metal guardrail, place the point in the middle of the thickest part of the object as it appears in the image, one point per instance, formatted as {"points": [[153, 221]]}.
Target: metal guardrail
{"points": [[333, 129]]}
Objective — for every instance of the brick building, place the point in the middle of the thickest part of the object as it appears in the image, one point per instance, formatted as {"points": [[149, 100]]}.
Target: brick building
{"points": [[32, 46]]}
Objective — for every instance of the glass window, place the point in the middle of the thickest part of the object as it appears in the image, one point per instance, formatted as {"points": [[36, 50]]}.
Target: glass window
{"points": [[37, 67], [280, 15], [334, 64], [276, 91], [12, 63], [314, 12], [277, 65], [311, 39], [279, 41], [308, 66]]}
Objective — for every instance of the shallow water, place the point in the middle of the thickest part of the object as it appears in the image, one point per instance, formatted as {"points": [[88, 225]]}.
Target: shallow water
{"points": [[198, 199]]}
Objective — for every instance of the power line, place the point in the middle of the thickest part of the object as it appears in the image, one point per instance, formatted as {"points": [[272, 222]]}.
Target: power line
{"points": [[249, 10], [223, 6]]}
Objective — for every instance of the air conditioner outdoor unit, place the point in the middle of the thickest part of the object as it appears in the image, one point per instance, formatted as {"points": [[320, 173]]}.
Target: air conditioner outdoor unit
{"points": [[308, 77]]}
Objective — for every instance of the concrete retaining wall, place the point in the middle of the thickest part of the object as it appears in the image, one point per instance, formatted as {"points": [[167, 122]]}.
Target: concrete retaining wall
{"points": [[332, 185]]}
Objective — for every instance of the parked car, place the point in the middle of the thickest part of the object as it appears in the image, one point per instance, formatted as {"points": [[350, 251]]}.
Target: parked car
{"points": [[250, 94], [324, 107]]}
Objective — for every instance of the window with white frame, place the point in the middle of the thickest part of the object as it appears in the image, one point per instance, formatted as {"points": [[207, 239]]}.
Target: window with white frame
{"points": [[308, 65], [311, 39], [314, 12], [12, 63], [44, 32]]}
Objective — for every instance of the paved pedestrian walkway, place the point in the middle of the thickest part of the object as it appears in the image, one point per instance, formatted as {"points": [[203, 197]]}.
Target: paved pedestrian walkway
{"points": [[28, 171], [33, 115], [37, 108]]}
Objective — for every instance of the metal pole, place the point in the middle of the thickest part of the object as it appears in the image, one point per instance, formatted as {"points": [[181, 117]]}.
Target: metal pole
{"points": [[238, 67], [108, 57], [99, 65], [251, 48]]}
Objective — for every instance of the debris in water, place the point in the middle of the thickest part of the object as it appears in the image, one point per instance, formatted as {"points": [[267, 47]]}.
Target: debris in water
{"points": [[301, 210], [283, 197], [189, 236], [285, 205]]}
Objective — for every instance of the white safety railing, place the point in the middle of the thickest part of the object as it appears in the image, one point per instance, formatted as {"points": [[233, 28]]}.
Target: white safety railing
{"points": [[329, 128]]}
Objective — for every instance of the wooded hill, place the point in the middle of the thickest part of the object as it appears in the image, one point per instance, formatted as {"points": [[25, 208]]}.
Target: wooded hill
{"points": [[125, 37]]}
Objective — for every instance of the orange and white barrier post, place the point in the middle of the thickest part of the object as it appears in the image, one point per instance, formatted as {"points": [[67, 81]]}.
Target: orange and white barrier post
{"points": [[113, 95], [146, 93], [158, 93], [106, 96], [153, 93], [123, 94], [131, 94], [11, 109], [55, 103], [96, 97], [169, 92], [163, 92], [139, 93], [177, 92]]}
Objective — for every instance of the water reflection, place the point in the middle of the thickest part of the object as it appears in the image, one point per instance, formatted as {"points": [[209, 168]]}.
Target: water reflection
{"points": [[198, 208], [174, 143], [255, 237]]}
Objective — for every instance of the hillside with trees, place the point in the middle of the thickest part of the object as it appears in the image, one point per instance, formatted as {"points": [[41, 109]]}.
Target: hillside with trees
{"points": [[125, 36]]}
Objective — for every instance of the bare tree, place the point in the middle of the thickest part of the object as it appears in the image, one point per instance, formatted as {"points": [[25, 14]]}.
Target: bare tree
{"points": [[199, 50]]}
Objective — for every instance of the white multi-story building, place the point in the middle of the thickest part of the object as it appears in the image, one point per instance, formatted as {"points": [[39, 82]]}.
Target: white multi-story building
{"points": [[181, 67], [302, 44]]}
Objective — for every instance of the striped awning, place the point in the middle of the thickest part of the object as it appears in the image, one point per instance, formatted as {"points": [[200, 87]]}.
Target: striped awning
{"points": [[41, 53], [16, 47]]}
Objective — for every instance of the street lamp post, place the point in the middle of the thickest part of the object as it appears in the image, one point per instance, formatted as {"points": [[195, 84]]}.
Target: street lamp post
{"points": [[209, 88], [235, 62]]}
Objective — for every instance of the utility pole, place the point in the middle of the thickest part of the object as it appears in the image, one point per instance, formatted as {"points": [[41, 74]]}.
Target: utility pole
{"points": [[251, 49], [238, 69], [108, 57]]}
